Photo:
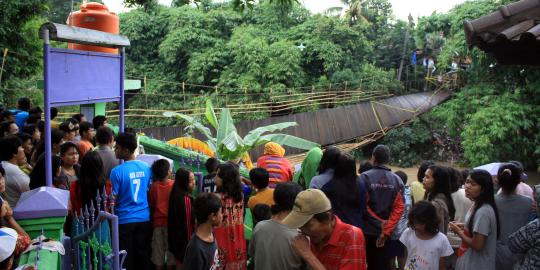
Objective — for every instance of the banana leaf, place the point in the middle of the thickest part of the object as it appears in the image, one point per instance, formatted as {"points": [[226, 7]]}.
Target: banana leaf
{"points": [[192, 121], [233, 142], [225, 127], [210, 114], [288, 140], [254, 135]]}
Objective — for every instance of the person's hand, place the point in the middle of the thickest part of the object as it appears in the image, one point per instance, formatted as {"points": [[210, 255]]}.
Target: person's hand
{"points": [[381, 240], [457, 228], [300, 245], [6, 211]]}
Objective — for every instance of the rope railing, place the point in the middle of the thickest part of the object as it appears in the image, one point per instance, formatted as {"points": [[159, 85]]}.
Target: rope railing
{"points": [[265, 107]]}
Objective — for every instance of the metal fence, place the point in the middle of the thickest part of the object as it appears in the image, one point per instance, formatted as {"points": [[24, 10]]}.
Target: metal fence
{"points": [[95, 244]]}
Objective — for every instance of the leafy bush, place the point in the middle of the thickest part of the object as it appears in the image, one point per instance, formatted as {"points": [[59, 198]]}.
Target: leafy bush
{"points": [[408, 143]]}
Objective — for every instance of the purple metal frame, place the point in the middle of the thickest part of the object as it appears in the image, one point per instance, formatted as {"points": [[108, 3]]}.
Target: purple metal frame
{"points": [[75, 72], [74, 77], [81, 77]]}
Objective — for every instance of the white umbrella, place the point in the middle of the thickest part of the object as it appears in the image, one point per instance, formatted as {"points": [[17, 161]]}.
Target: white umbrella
{"points": [[150, 159], [492, 168]]}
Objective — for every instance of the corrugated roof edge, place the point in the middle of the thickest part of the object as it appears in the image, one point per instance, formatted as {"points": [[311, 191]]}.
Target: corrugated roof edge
{"points": [[62, 32], [486, 28]]}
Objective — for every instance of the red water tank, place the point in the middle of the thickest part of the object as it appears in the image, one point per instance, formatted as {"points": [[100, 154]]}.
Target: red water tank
{"points": [[98, 17]]}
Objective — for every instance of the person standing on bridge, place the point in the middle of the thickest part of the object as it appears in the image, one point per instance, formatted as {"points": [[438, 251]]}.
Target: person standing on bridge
{"points": [[278, 167]]}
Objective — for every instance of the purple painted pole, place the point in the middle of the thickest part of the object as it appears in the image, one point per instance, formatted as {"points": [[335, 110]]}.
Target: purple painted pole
{"points": [[114, 219], [115, 242], [122, 61], [48, 151]]}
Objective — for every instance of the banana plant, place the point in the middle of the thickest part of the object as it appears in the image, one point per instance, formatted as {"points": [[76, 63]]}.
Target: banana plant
{"points": [[227, 143]]}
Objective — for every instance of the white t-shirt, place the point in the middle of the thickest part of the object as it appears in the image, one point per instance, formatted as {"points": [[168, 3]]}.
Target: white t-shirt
{"points": [[17, 182], [462, 205], [425, 254]]}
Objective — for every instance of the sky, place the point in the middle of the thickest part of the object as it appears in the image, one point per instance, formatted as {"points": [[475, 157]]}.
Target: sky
{"points": [[401, 8]]}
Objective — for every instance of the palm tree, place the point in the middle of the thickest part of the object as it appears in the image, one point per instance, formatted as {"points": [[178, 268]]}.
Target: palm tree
{"points": [[354, 11]]}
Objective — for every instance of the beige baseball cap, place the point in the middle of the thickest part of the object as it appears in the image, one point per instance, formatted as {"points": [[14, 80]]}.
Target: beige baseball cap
{"points": [[307, 203]]}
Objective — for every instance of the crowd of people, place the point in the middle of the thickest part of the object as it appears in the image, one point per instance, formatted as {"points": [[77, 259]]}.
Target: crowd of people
{"points": [[328, 214]]}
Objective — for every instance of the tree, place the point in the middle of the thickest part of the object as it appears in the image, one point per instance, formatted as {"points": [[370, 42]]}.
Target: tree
{"points": [[352, 9], [146, 4], [19, 21]]}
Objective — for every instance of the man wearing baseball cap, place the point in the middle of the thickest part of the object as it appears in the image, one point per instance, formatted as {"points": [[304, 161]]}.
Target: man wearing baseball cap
{"points": [[326, 242], [8, 240]]}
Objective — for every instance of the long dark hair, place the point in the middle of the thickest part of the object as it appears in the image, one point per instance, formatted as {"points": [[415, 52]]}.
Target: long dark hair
{"points": [[422, 169], [92, 178], [509, 176], [483, 179], [425, 213], [38, 176], [441, 184], [344, 187], [232, 185], [181, 183], [329, 159]]}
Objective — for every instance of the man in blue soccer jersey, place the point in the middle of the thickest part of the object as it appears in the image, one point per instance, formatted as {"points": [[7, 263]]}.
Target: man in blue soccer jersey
{"points": [[130, 182]]}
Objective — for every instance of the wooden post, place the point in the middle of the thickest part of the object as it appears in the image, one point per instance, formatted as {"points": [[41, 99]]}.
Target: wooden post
{"points": [[145, 90], [184, 91], [3, 62]]}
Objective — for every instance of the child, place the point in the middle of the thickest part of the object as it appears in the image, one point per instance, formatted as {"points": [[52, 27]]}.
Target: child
{"points": [[259, 178], [181, 221], [208, 184], [261, 212], [159, 208], [426, 246], [202, 249], [479, 234]]}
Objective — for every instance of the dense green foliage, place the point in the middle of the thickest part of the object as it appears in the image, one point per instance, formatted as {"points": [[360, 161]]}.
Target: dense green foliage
{"points": [[255, 50], [269, 50], [493, 118]]}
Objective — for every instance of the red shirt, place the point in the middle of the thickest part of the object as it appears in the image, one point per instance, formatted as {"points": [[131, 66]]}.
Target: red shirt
{"points": [[279, 169], [159, 202], [76, 197], [345, 250]]}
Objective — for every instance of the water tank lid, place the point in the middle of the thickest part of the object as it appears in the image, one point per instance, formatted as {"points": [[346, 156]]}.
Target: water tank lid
{"points": [[93, 5]]}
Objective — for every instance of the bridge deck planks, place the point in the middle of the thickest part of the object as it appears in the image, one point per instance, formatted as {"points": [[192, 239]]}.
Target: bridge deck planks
{"points": [[331, 126]]}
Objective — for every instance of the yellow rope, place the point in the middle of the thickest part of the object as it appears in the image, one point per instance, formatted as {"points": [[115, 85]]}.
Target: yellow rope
{"points": [[394, 107], [377, 118]]}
